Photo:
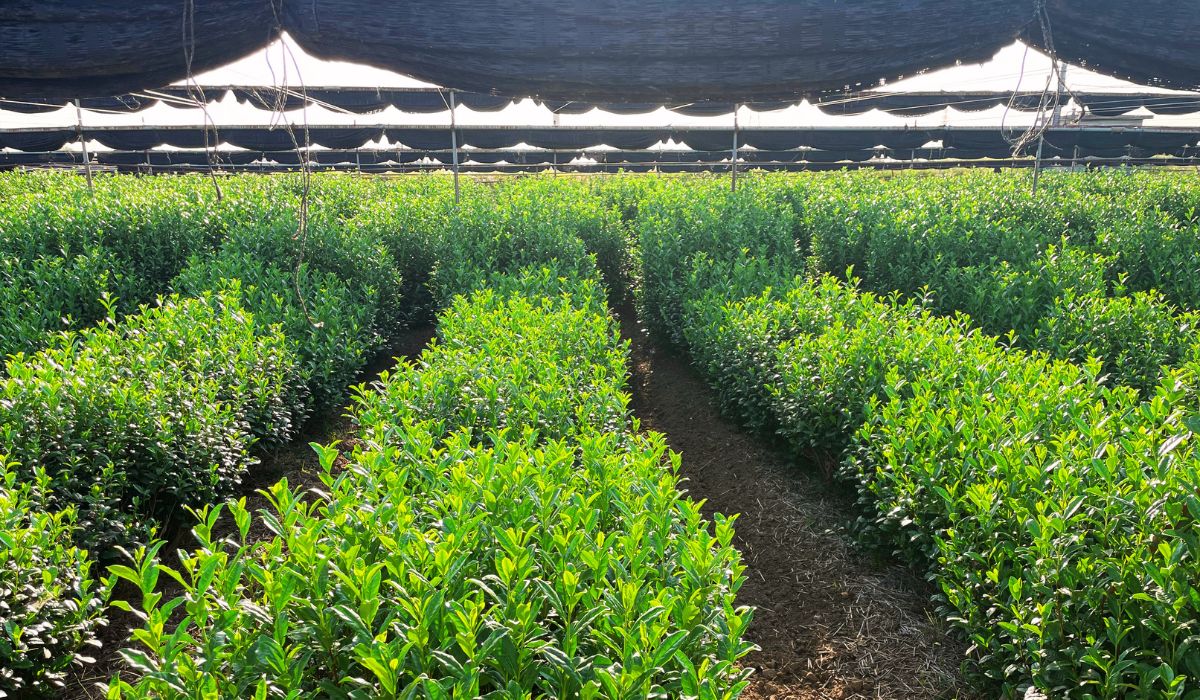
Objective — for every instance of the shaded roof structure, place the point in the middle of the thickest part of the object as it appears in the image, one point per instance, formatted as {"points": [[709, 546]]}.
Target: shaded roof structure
{"points": [[653, 51]]}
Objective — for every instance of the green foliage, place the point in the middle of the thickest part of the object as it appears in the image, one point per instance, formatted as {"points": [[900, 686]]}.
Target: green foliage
{"points": [[710, 234], [410, 221], [1183, 382], [1157, 251], [62, 249], [1040, 503], [537, 375], [501, 523], [1001, 298], [493, 233], [501, 531], [1054, 514], [979, 244], [736, 344], [49, 603], [1134, 336], [137, 418], [361, 263], [579, 213], [330, 328], [42, 295]]}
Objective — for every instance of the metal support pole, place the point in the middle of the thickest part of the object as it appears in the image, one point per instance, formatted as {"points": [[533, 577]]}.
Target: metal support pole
{"points": [[1062, 82], [87, 160], [454, 145], [733, 169], [1037, 163]]}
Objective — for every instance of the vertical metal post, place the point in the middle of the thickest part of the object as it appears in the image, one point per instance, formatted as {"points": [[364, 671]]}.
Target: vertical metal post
{"points": [[1037, 163], [1062, 82], [454, 145], [557, 121], [358, 159], [87, 160], [733, 169]]}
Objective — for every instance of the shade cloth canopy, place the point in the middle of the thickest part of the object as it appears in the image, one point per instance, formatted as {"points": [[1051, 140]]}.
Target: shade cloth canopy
{"points": [[613, 51]]}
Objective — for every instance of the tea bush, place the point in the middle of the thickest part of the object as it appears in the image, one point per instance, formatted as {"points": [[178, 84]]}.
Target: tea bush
{"points": [[410, 222], [51, 603], [331, 329], [492, 234], [43, 295], [333, 250], [979, 244], [135, 419], [62, 248], [1134, 336], [1053, 515], [502, 530], [1051, 511], [680, 226]]}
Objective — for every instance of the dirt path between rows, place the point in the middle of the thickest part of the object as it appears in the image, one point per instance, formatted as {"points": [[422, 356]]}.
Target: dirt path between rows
{"points": [[831, 622]]}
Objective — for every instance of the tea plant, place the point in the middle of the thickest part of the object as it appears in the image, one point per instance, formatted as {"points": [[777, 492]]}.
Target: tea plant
{"points": [[501, 531], [1035, 497], [1134, 336], [330, 328], [161, 410], [51, 601], [679, 227]]}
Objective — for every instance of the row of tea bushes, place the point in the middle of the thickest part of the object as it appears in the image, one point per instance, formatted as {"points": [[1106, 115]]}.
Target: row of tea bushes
{"points": [[1118, 248], [130, 421], [1136, 336], [976, 244], [114, 429], [68, 257], [336, 296], [123, 424], [900, 233], [64, 250], [501, 529], [1055, 515], [691, 229], [443, 248], [134, 418]]}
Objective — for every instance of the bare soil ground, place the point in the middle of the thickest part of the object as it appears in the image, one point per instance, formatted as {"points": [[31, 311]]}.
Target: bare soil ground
{"points": [[832, 622]]}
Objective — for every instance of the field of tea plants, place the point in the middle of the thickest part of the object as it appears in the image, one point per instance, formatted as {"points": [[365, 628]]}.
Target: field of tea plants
{"points": [[1002, 387]]}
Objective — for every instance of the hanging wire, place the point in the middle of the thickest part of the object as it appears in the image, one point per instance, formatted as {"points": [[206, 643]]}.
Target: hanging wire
{"points": [[189, 52], [302, 153]]}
